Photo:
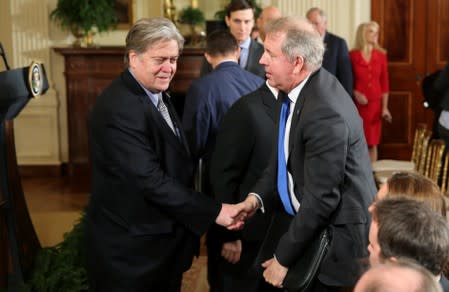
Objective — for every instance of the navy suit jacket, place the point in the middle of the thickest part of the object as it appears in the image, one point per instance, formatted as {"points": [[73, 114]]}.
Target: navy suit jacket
{"points": [[143, 220], [255, 52], [332, 179], [444, 282], [207, 101], [336, 60]]}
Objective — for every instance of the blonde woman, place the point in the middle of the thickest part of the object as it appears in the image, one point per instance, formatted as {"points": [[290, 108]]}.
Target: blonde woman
{"points": [[370, 72], [417, 187]]}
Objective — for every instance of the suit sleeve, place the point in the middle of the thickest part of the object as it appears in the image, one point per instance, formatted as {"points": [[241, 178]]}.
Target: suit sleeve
{"points": [[132, 157], [230, 159], [325, 141], [231, 155]]}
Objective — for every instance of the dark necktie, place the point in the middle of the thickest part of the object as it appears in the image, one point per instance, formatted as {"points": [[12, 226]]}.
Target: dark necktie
{"points": [[282, 179]]}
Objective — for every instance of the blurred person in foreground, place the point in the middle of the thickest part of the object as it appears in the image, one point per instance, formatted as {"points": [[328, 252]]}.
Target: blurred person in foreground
{"points": [[397, 276], [406, 228], [415, 186]]}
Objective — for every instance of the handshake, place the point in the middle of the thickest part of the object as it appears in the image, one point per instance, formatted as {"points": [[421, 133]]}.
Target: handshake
{"points": [[233, 216]]}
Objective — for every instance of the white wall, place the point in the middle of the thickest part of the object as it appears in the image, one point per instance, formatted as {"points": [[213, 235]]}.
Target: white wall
{"points": [[343, 16], [27, 34]]}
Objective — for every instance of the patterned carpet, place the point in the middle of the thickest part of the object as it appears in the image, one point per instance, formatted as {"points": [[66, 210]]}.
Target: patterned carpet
{"points": [[194, 280]]}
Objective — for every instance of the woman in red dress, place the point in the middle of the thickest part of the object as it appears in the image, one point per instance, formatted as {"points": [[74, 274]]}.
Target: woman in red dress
{"points": [[369, 66]]}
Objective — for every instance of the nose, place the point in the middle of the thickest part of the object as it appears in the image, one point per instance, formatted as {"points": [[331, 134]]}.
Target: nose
{"points": [[263, 59], [167, 66]]}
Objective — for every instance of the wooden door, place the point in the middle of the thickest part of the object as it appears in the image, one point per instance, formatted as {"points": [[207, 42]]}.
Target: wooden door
{"points": [[416, 36]]}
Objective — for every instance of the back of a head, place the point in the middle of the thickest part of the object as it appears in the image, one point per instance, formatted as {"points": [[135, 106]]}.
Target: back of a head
{"points": [[316, 10], [417, 187], [411, 229], [268, 14], [403, 275], [221, 43], [236, 5], [147, 31]]}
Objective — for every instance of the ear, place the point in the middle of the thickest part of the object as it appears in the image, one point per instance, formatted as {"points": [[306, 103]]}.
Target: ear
{"points": [[227, 20], [132, 56], [208, 58], [298, 63]]}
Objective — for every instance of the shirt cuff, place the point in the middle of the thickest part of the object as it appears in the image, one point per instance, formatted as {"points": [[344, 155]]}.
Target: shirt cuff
{"points": [[262, 208]]}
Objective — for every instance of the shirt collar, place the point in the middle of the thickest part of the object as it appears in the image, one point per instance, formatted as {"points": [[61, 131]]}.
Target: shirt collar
{"points": [[246, 43], [154, 96], [295, 92], [273, 90]]}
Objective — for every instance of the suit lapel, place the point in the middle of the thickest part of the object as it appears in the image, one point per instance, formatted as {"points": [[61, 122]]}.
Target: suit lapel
{"points": [[303, 95], [177, 123], [155, 116]]}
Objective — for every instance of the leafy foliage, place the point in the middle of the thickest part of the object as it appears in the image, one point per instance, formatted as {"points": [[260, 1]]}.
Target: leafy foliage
{"points": [[62, 267], [85, 14], [191, 16]]}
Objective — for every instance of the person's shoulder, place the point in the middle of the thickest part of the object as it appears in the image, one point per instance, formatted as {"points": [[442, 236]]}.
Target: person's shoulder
{"points": [[255, 95], [444, 282], [253, 77], [334, 37], [255, 46], [380, 52]]}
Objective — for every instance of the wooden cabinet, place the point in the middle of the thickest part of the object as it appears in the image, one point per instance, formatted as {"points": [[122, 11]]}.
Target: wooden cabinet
{"points": [[88, 71]]}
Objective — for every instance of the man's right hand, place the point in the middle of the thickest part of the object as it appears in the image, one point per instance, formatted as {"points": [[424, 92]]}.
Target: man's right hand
{"points": [[232, 216]]}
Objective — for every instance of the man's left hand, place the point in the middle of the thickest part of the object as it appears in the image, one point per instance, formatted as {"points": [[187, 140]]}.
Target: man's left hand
{"points": [[274, 272]]}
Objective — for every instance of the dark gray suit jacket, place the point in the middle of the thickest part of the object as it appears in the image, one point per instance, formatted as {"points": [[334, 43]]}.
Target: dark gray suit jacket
{"points": [[255, 52], [143, 221], [332, 176], [336, 60]]}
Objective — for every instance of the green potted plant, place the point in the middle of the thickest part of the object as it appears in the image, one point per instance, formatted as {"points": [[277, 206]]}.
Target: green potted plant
{"points": [[193, 17], [84, 17]]}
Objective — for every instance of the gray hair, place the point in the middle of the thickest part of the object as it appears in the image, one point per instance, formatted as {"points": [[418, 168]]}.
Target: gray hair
{"points": [[319, 10], [148, 31], [301, 40]]}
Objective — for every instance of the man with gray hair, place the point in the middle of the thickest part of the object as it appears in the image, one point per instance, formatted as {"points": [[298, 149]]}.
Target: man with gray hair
{"points": [[144, 219], [336, 56], [320, 166]]}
